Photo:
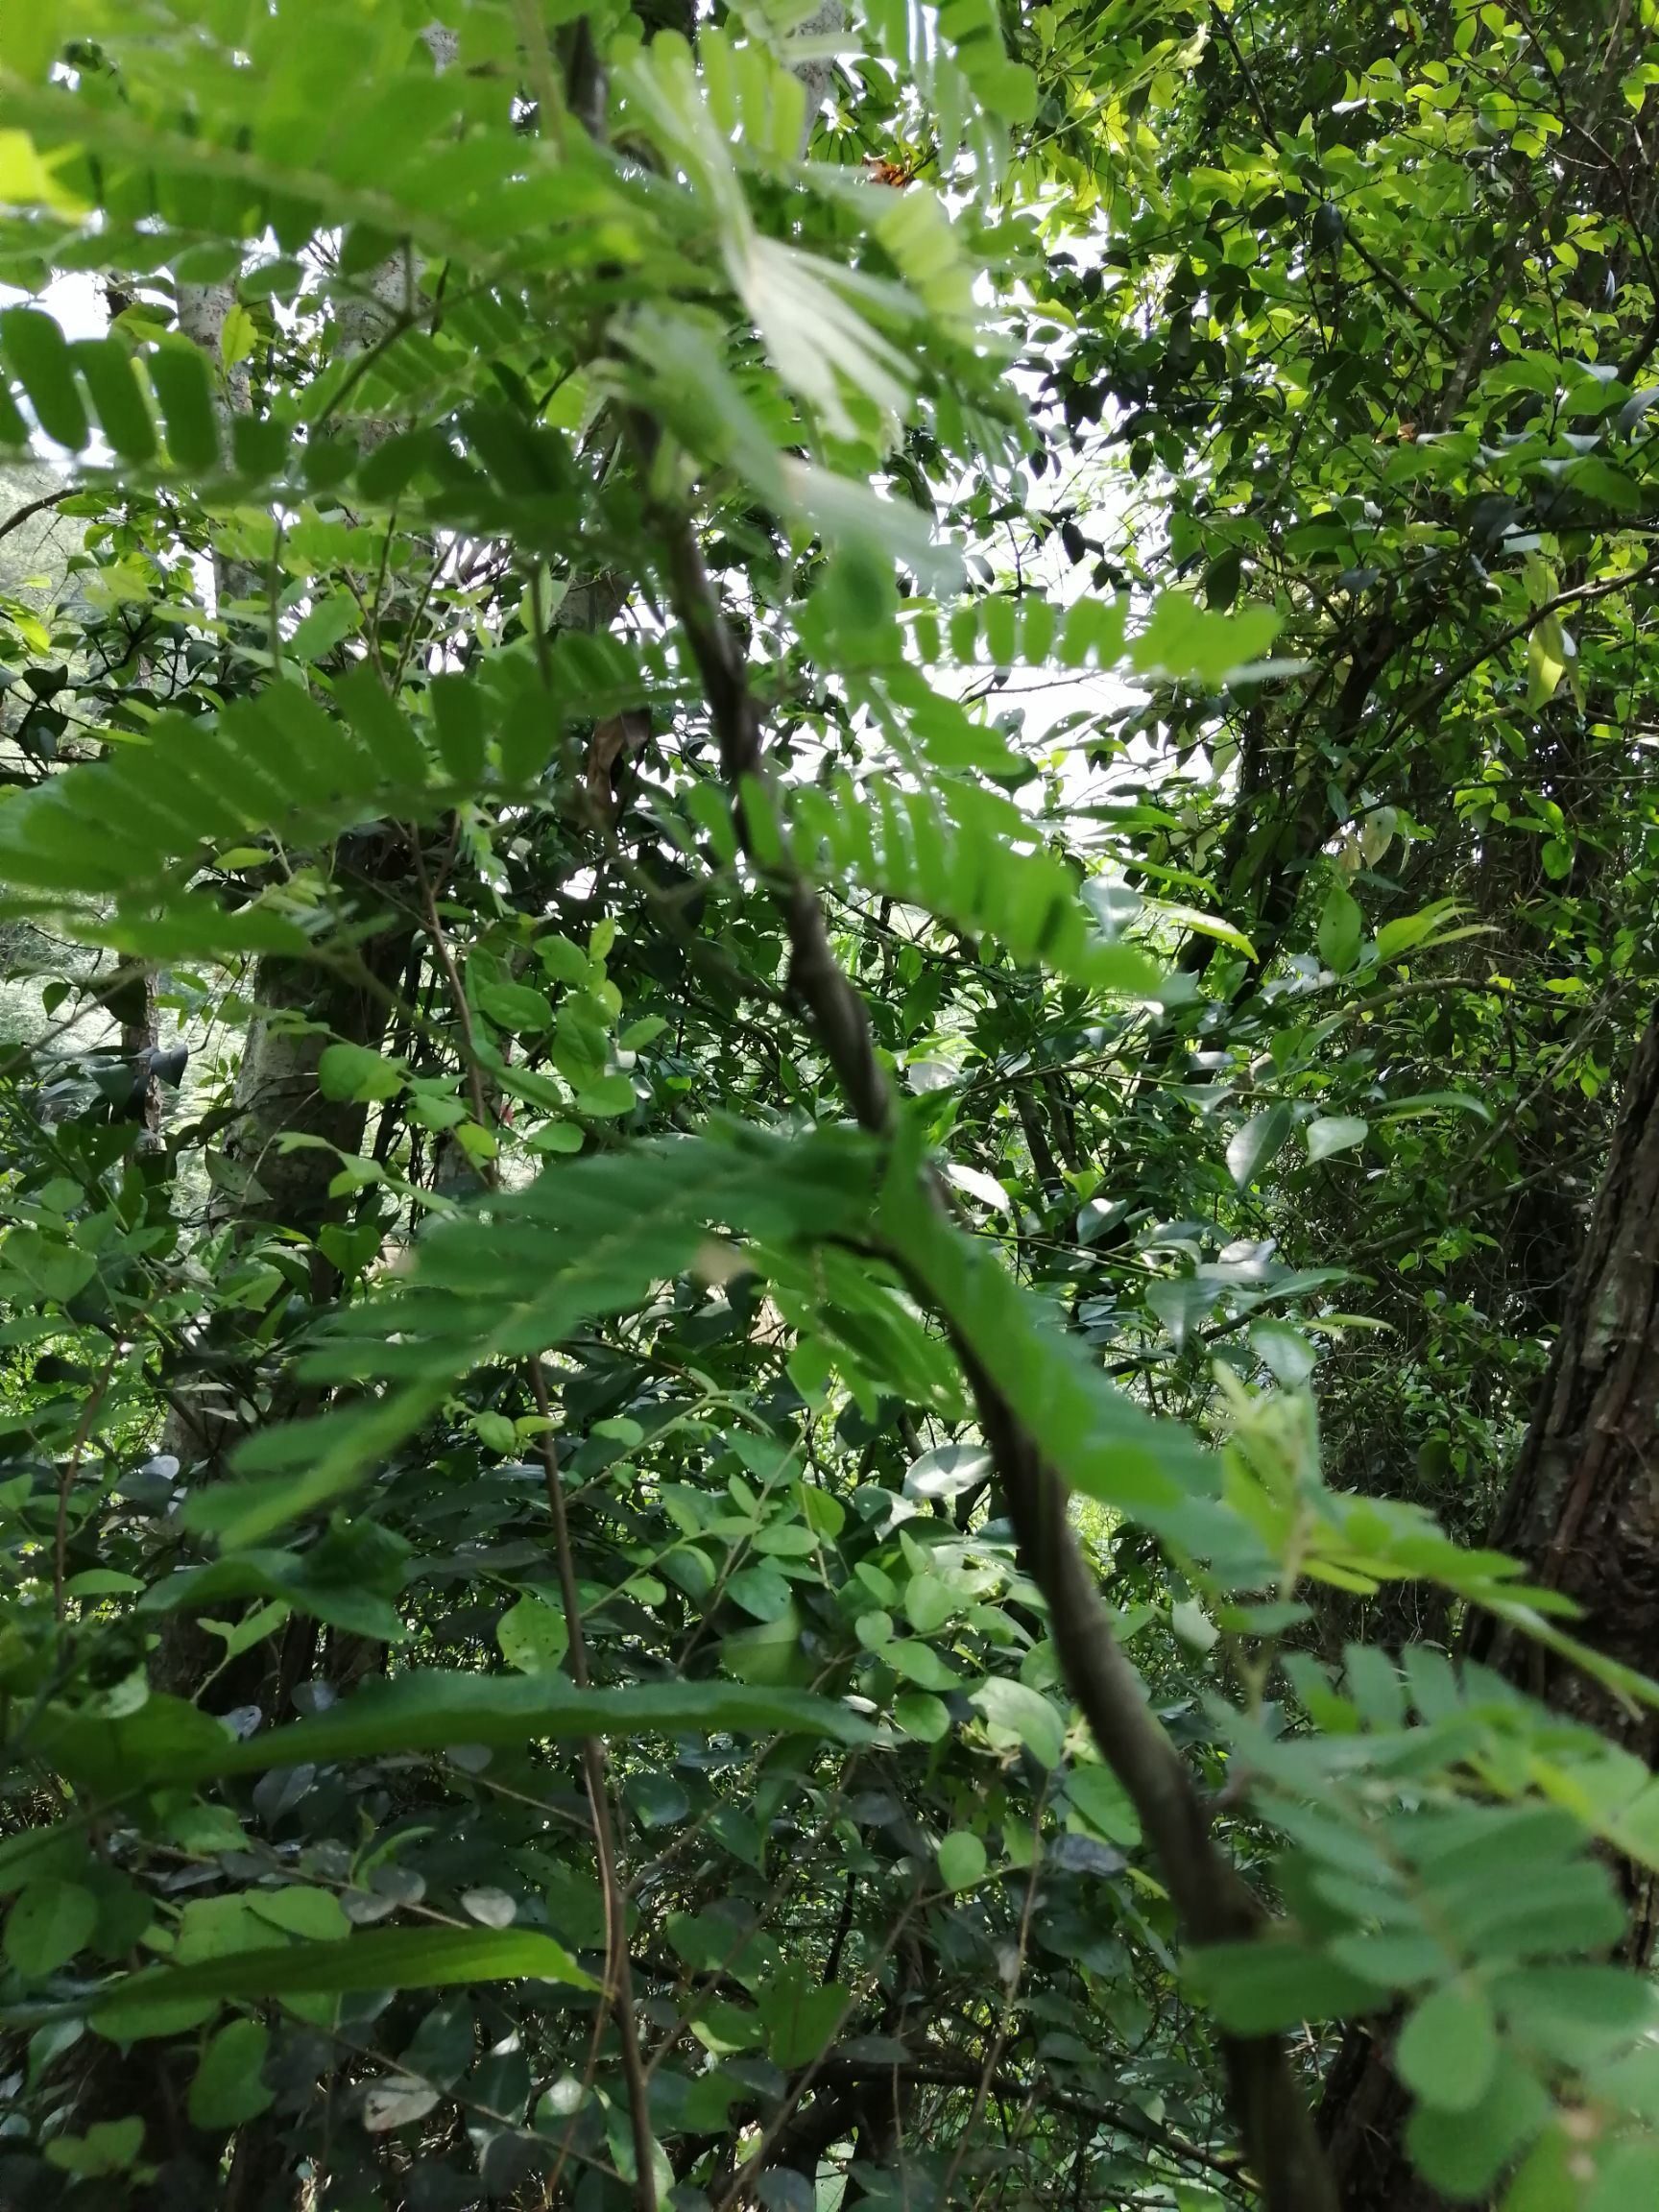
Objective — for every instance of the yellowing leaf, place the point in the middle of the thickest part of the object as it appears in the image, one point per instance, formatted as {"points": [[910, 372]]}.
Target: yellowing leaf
{"points": [[1342, 930], [1204, 924], [1546, 655], [26, 181], [237, 336]]}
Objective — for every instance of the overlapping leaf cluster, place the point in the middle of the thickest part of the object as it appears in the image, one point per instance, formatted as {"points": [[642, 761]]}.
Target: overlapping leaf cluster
{"points": [[1192, 566]]}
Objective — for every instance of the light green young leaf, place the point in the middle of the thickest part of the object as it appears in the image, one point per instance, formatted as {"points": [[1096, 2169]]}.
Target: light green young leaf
{"points": [[1549, 651], [1426, 1103], [1408, 931], [237, 336], [1196, 645], [355, 1072], [326, 625]]}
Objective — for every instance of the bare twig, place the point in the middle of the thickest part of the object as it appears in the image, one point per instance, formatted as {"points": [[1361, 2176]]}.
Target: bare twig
{"points": [[67, 1478], [1005, 2022]]}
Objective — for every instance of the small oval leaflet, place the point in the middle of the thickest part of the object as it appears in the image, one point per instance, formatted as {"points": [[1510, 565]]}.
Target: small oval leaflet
{"points": [[491, 1907], [394, 2104], [946, 1472], [534, 1636], [1448, 2050], [961, 1859]]}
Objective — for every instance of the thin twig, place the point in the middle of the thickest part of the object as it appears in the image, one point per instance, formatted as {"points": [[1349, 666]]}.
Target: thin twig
{"points": [[618, 1972], [67, 1479], [1005, 2019], [618, 1976]]}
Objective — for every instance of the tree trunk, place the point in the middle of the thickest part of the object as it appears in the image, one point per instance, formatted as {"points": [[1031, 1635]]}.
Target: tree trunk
{"points": [[1582, 1509]]}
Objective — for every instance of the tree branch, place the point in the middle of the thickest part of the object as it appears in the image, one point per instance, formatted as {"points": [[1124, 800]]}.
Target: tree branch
{"points": [[37, 507], [1214, 1901]]}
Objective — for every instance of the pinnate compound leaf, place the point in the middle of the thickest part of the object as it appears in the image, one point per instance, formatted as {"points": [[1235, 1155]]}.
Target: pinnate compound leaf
{"points": [[518, 1275], [299, 1467], [960, 853], [122, 824], [1096, 1438]]}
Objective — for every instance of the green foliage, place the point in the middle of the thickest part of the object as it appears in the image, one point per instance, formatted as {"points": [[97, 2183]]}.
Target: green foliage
{"points": [[517, 1674]]}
